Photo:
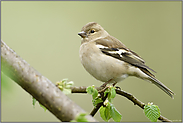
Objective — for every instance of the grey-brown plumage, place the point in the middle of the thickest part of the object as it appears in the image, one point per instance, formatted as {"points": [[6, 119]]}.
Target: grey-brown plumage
{"points": [[106, 58]]}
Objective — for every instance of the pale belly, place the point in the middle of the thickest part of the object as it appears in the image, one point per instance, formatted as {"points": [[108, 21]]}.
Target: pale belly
{"points": [[103, 68]]}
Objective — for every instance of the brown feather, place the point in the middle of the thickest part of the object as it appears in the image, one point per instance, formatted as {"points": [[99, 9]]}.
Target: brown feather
{"points": [[130, 57]]}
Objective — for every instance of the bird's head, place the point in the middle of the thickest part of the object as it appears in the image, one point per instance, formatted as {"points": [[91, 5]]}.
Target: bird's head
{"points": [[92, 31]]}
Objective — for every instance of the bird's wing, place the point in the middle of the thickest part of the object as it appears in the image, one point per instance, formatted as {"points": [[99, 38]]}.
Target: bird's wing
{"points": [[114, 48]]}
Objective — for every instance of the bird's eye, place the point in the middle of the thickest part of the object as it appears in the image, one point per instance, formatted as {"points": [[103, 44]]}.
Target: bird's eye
{"points": [[92, 31]]}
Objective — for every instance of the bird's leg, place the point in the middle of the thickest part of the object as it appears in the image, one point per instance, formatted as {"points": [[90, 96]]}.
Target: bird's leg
{"points": [[117, 87], [114, 84], [104, 85]]}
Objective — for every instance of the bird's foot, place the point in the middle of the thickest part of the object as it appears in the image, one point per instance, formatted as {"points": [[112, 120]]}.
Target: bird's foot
{"points": [[104, 85], [118, 88]]}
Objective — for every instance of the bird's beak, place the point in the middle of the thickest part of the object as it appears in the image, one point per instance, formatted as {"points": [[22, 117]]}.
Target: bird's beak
{"points": [[82, 34]]}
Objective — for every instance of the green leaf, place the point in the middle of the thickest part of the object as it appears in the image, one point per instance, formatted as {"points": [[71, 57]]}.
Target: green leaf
{"points": [[110, 111], [152, 112], [96, 101], [69, 84], [95, 93], [89, 90], [116, 116], [66, 91], [43, 107], [105, 113], [113, 92], [106, 92], [65, 80], [33, 101], [6, 82], [65, 86], [80, 118]]}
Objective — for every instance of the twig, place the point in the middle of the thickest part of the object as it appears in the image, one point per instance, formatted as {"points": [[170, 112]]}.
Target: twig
{"points": [[101, 92], [122, 93], [95, 109]]}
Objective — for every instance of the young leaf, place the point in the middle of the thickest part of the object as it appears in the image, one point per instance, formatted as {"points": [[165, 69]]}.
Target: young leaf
{"points": [[113, 92], [33, 101], [43, 107], [89, 90], [95, 93], [107, 91], [96, 101], [80, 118], [66, 91], [65, 86], [116, 116], [152, 112], [105, 113]]}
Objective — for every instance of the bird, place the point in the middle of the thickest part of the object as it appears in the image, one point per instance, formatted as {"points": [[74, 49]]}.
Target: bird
{"points": [[108, 60]]}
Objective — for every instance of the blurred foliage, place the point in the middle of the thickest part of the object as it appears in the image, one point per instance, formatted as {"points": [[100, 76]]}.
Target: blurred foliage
{"points": [[5, 83], [80, 118]]}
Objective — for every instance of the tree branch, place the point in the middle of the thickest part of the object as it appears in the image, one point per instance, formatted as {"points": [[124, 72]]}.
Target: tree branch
{"points": [[122, 93], [39, 86]]}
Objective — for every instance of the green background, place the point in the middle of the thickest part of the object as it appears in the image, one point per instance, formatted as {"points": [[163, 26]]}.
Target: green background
{"points": [[44, 33]]}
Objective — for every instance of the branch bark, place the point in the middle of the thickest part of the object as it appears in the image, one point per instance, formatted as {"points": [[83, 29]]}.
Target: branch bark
{"points": [[39, 86], [121, 93]]}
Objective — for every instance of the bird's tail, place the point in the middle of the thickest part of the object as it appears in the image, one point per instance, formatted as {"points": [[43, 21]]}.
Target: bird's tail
{"points": [[162, 86]]}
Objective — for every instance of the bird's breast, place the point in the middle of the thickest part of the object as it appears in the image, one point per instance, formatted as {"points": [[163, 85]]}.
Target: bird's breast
{"points": [[101, 66]]}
